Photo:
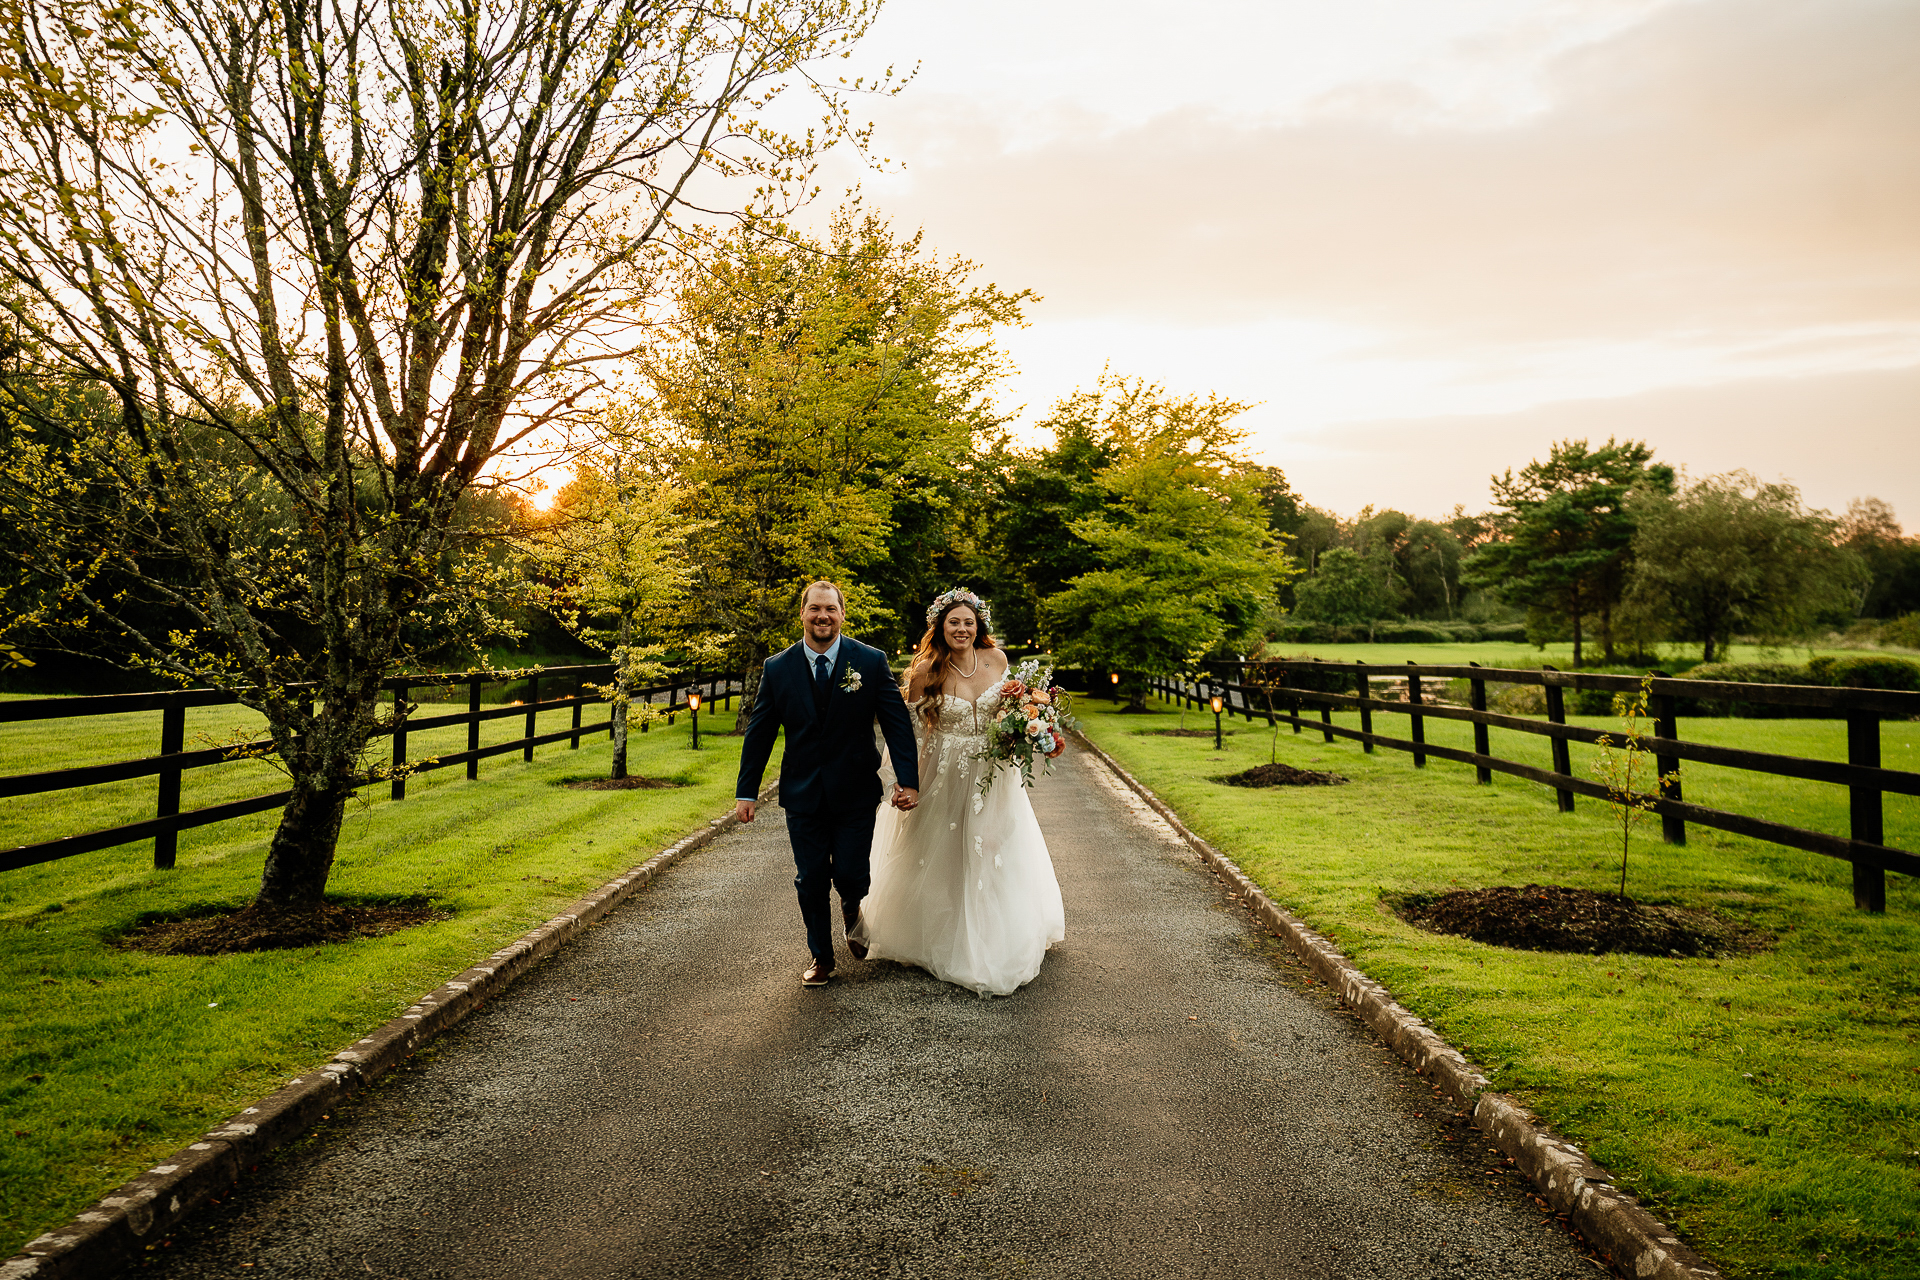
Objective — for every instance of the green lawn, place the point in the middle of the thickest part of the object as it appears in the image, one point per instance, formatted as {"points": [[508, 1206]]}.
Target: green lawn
{"points": [[1768, 1107], [1520, 654], [112, 1059]]}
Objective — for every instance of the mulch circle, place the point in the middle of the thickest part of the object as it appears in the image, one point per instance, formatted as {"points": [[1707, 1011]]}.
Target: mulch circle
{"points": [[1281, 775], [1551, 917], [1184, 733], [621, 784], [245, 930]]}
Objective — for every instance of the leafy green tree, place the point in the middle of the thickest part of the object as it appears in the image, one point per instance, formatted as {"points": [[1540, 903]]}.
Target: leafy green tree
{"points": [[1186, 557], [1871, 531], [613, 556], [331, 268], [1347, 592], [1731, 554], [818, 406], [1025, 522], [1563, 533]]}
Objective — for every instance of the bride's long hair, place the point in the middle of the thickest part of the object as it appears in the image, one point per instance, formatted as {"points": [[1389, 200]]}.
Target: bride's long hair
{"points": [[933, 655]]}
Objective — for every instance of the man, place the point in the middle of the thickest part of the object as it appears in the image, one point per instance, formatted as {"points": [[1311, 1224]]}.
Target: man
{"points": [[826, 691]]}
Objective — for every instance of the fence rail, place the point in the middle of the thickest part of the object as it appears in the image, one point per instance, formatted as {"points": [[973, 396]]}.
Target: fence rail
{"points": [[173, 759], [1279, 691]]}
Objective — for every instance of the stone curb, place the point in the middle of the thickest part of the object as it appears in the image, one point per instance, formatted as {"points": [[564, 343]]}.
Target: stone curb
{"points": [[1612, 1221], [116, 1230]]}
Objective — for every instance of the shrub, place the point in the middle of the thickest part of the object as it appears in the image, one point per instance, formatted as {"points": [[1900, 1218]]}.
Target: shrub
{"points": [[1505, 631], [1867, 671], [1903, 631], [1517, 699], [1411, 633]]}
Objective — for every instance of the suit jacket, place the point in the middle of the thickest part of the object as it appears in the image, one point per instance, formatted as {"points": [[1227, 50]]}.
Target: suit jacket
{"points": [[831, 764]]}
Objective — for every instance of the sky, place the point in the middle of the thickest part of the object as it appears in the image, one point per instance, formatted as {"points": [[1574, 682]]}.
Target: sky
{"points": [[1431, 237]]}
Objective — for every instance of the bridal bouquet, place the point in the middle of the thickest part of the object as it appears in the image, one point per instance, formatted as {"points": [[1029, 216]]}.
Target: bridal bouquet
{"points": [[1031, 720]]}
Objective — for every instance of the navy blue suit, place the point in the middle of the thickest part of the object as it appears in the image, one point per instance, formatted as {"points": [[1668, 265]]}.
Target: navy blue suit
{"points": [[830, 771]]}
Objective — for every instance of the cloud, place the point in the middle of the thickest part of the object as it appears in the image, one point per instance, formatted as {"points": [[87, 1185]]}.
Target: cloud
{"points": [[1728, 168], [1837, 436]]}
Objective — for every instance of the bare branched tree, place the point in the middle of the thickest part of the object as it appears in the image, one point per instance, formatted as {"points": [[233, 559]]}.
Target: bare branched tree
{"points": [[294, 280]]}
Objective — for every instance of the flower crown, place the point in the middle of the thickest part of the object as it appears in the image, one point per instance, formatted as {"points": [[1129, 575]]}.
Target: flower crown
{"points": [[960, 595]]}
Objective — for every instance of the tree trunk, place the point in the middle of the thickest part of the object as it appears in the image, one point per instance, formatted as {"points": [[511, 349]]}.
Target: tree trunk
{"points": [[301, 855], [749, 693], [1606, 631], [621, 692], [1576, 632]]}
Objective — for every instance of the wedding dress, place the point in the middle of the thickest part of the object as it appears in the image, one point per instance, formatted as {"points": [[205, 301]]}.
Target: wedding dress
{"points": [[962, 884]]}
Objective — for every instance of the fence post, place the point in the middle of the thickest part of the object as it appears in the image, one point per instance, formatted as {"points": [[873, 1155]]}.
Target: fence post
{"points": [[173, 740], [1326, 718], [533, 716], [1419, 721], [1366, 712], [579, 692], [1863, 807], [399, 740], [473, 726], [1477, 699], [1562, 756], [1666, 723]]}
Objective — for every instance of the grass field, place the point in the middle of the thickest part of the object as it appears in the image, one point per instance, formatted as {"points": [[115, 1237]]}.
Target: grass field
{"points": [[112, 1058], [1768, 1106], [1521, 654]]}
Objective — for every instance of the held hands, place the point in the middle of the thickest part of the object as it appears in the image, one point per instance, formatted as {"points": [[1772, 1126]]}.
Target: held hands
{"points": [[905, 798]]}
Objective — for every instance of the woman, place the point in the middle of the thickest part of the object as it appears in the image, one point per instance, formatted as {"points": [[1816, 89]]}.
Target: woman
{"points": [[962, 884]]}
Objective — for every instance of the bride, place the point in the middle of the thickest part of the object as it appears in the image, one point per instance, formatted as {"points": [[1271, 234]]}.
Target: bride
{"points": [[962, 884]]}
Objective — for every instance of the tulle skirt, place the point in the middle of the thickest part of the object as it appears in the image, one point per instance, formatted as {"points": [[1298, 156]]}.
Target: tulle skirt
{"points": [[962, 884]]}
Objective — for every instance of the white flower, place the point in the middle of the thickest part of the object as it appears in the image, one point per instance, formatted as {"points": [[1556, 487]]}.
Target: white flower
{"points": [[851, 684]]}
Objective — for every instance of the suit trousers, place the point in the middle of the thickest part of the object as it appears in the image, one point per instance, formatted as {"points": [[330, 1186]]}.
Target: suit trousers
{"points": [[830, 850]]}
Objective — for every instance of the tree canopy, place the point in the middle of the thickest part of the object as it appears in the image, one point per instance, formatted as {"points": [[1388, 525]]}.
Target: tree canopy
{"points": [[296, 281], [1730, 553], [1186, 559], [1563, 533], [819, 404]]}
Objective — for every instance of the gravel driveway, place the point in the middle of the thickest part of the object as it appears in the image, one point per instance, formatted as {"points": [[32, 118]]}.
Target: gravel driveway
{"points": [[1168, 1098]]}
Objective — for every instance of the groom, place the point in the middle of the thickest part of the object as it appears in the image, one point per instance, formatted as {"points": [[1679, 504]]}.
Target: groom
{"points": [[826, 691]]}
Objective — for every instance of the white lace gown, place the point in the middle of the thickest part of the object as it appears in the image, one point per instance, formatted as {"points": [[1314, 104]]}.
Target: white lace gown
{"points": [[962, 884]]}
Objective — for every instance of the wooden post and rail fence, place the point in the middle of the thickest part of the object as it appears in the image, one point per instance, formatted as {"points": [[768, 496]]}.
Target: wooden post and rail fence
{"points": [[1278, 692], [567, 686]]}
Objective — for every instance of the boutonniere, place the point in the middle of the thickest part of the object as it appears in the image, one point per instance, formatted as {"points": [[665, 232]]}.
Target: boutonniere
{"points": [[851, 682]]}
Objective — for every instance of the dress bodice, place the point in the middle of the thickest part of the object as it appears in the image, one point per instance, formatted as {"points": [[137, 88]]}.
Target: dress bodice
{"points": [[964, 717]]}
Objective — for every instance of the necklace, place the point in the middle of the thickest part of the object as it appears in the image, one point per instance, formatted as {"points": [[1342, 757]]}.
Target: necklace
{"points": [[968, 675]]}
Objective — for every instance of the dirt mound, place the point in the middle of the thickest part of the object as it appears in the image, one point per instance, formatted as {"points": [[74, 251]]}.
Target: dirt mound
{"points": [[250, 930], [620, 784], [1281, 775], [1550, 917]]}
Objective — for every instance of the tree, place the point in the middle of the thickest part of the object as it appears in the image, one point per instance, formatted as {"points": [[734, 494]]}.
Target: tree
{"points": [[1871, 531], [1186, 558], [615, 553], [820, 403], [1345, 593], [1729, 553], [1564, 535], [330, 268], [1025, 520]]}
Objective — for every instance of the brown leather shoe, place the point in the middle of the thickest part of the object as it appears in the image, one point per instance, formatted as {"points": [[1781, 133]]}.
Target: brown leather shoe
{"points": [[851, 914], [816, 975]]}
